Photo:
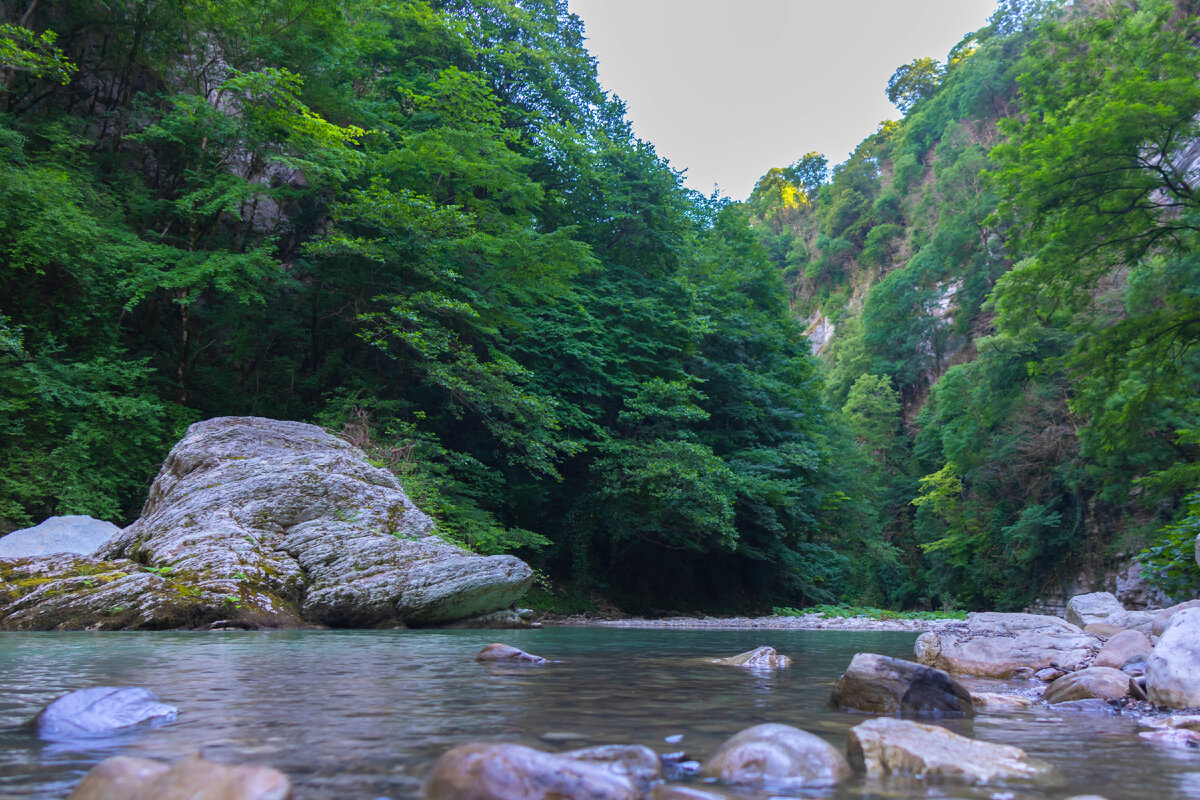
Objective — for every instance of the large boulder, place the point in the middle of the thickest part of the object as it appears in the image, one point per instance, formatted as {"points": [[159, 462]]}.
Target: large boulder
{"points": [[514, 772], [882, 685], [262, 523], [998, 645], [1122, 647], [77, 533], [193, 778], [889, 746], [1102, 683], [101, 709], [1173, 672], [1084, 609], [777, 755]]}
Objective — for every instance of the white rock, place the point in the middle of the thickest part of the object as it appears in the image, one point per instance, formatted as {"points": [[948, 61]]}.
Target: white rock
{"points": [[1083, 609], [1173, 671], [75, 533]]}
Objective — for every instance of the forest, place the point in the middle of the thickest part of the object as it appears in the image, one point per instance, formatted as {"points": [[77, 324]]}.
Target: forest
{"points": [[424, 225]]}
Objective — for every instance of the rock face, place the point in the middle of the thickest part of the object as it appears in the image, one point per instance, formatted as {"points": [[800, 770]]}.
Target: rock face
{"points": [[1102, 683], [1173, 672], [513, 772], [271, 524], [1122, 647], [770, 754], [1084, 609], [194, 778], [507, 653], [758, 658], [100, 710], [881, 685], [888, 746], [77, 534], [996, 645]]}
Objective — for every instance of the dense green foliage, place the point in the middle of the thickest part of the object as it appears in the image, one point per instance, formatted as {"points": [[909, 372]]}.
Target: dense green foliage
{"points": [[1012, 273], [423, 224]]}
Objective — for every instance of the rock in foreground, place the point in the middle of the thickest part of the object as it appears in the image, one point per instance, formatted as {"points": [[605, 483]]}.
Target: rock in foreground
{"points": [[1099, 683], [1173, 672], [272, 524], [889, 746], [126, 778], [513, 772], [881, 685], [771, 755], [758, 658], [76, 533], [998, 645], [101, 709]]}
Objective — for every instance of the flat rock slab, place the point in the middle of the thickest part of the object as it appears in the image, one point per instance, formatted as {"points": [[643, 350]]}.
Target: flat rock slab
{"points": [[194, 778], [773, 755], [878, 684], [101, 709], [998, 645], [889, 746], [78, 534]]}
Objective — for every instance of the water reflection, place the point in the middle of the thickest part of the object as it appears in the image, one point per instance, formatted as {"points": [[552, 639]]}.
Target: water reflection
{"points": [[364, 714]]}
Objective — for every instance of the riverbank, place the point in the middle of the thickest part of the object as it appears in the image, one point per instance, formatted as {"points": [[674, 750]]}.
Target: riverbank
{"points": [[811, 622]]}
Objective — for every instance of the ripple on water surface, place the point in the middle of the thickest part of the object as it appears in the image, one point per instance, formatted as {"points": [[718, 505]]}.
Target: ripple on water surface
{"points": [[363, 714]]}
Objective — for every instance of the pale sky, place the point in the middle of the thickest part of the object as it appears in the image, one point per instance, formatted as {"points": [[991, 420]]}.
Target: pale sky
{"points": [[730, 88]]}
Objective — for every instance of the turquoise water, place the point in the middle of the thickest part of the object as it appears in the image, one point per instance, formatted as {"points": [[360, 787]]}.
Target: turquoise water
{"points": [[363, 714]]}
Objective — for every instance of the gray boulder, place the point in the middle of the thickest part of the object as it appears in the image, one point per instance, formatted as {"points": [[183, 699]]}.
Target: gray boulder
{"points": [[1084, 609], [881, 685], [777, 755], [1173, 671], [77, 533], [514, 772], [998, 645], [263, 523], [1100, 683], [102, 709], [508, 654], [193, 778]]}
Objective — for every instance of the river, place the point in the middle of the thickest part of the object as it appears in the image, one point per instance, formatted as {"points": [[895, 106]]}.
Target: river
{"points": [[364, 714]]}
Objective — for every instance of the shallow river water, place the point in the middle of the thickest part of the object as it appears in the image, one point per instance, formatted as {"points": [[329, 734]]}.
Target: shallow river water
{"points": [[363, 714]]}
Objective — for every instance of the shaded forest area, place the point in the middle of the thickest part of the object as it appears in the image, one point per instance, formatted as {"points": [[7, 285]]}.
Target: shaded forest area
{"points": [[424, 225]]}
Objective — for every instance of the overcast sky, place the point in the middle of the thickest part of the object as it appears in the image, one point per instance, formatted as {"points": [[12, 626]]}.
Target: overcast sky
{"points": [[730, 88]]}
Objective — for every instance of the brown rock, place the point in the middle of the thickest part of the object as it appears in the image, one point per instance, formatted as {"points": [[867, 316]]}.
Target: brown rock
{"points": [[638, 763], [194, 778], [508, 653], [513, 772], [758, 658], [882, 685], [773, 754], [1103, 683], [1122, 647]]}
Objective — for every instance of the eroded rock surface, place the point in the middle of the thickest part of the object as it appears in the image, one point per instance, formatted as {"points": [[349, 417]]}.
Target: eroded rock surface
{"points": [[193, 778], [881, 685], [267, 524], [771, 754], [998, 645], [888, 746], [75, 533], [100, 709]]}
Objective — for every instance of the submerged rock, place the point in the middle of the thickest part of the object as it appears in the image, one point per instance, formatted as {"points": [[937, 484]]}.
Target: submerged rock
{"points": [[638, 763], [758, 658], [993, 701], [773, 754], [1102, 683], [1173, 671], [101, 709], [881, 685], [76, 533], [194, 778], [271, 524], [1084, 609], [998, 645], [504, 652], [888, 746], [513, 772]]}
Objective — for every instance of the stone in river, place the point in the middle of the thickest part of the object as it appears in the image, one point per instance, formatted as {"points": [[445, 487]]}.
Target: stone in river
{"points": [[882, 685], [772, 754], [638, 763], [889, 746], [1103, 683], [1174, 737], [100, 710], [999, 645], [193, 778], [75, 533], [511, 772], [758, 658], [669, 791], [993, 701], [1173, 671], [507, 653]]}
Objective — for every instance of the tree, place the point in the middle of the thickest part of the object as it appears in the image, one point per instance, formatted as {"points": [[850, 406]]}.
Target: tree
{"points": [[913, 82]]}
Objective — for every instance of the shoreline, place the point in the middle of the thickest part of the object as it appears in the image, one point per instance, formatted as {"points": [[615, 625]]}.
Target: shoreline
{"points": [[813, 622]]}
